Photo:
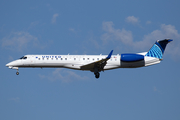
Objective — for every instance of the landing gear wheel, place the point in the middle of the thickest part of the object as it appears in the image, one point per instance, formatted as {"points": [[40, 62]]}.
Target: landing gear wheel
{"points": [[17, 73], [97, 75]]}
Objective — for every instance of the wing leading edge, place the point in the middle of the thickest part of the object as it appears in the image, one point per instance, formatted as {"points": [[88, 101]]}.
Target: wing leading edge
{"points": [[97, 65]]}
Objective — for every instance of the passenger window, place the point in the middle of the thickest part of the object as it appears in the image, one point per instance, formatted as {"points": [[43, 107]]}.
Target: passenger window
{"points": [[97, 58], [83, 58], [65, 58], [61, 58], [39, 58], [74, 58], [47, 58], [56, 58]]}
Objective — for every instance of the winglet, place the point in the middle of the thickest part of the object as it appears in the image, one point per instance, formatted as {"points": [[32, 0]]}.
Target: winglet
{"points": [[109, 56]]}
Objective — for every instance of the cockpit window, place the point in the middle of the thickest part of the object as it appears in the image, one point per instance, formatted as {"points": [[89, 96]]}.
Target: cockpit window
{"points": [[23, 57]]}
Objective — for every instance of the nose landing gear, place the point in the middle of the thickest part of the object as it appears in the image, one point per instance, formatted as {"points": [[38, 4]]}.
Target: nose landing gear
{"points": [[17, 73]]}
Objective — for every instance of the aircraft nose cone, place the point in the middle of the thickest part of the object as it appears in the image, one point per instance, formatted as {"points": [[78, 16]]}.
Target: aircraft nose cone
{"points": [[7, 65], [13, 64]]}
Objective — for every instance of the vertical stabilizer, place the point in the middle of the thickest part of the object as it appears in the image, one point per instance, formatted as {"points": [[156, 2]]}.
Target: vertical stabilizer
{"points": [[158, 48]]}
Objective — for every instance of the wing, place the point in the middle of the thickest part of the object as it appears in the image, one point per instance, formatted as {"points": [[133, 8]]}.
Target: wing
{"points": [[98, 64]]}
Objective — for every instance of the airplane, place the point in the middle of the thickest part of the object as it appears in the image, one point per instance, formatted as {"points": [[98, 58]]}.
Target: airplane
{"points": [[93, 63]]}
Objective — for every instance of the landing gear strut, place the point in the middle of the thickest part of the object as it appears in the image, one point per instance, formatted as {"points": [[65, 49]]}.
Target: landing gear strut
{"points": [[97, 74], [17, 73]]}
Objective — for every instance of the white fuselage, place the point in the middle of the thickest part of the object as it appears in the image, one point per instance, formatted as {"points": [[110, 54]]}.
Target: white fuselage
{"points": [[76, 61]]}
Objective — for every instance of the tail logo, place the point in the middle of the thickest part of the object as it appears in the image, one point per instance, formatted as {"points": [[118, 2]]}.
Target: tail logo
{"points": [[155, 51], [158, 48]]}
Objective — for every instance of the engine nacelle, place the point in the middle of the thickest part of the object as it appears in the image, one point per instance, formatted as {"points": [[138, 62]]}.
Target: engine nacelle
{"points": [[131, 57]]}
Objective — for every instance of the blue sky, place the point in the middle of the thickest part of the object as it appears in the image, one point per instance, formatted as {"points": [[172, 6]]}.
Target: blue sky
{"points": [[89, 27]]}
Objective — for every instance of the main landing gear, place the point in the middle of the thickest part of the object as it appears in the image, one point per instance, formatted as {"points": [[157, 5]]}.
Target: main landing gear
{"points": [[97, 74]]}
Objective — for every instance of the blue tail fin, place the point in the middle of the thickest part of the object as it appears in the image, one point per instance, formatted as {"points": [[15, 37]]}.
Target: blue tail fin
{"points": [[158, 48]]}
